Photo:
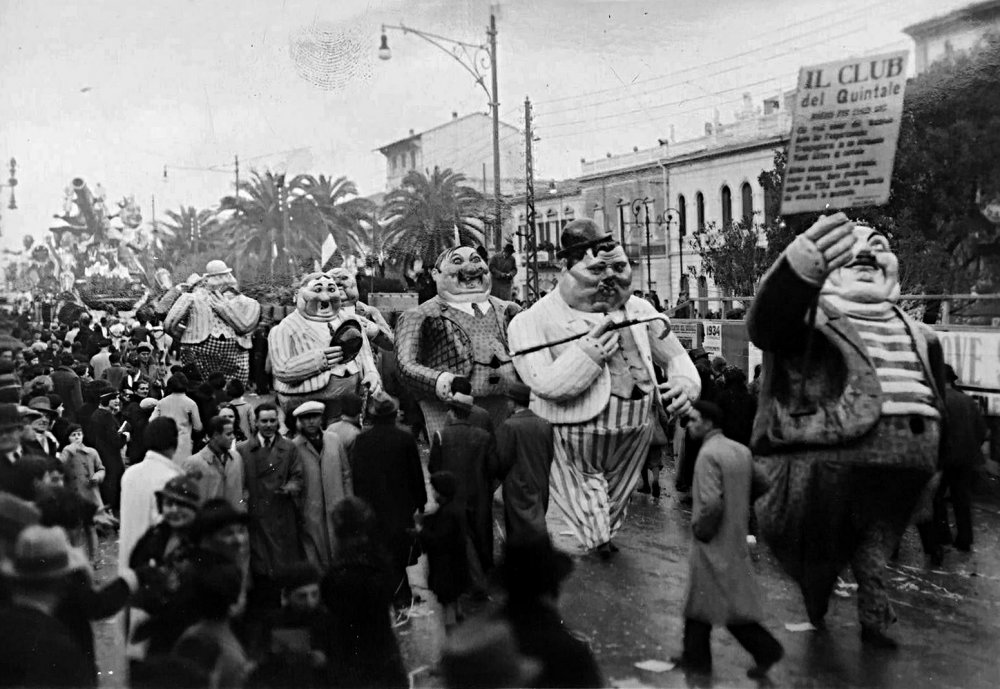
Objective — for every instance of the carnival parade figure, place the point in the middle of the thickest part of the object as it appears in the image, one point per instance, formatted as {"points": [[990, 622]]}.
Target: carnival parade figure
{"points": [[461, 332], [587, 351], [318, 352], [848, 427], [215, 322], [351, 306]]}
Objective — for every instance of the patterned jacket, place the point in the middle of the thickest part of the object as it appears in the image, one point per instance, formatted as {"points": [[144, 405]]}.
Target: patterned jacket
{"points": [[429, 342], [237, 319]]}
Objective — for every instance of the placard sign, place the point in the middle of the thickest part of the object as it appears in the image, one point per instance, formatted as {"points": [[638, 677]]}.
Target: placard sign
{"points": [[844, 134], [712, 342], [687, 333], [975, 356]]}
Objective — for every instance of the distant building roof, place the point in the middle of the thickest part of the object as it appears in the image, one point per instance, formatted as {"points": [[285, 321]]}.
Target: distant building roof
{"points": [[967, 14], [416, 136]]}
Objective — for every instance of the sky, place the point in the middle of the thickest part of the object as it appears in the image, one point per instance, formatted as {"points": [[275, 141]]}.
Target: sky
{"points": [[114, 91]]}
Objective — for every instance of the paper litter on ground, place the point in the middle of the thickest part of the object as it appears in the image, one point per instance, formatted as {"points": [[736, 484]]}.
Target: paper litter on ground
{"points": [[800, 627], [655, 665]]}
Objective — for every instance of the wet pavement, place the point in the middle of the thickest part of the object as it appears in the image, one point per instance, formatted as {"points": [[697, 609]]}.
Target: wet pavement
{"points": [[629, 609]]}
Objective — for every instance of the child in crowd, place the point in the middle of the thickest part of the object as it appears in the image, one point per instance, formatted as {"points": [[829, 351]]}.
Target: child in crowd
{"points": [[84, 472], [441, 533]]}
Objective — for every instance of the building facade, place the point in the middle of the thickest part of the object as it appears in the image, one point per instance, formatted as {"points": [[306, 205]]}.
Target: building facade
{"points": [[955, 32], [464, 144]]}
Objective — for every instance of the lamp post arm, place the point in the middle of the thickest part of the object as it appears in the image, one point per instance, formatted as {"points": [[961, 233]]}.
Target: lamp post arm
{"points": [[475, 59]]}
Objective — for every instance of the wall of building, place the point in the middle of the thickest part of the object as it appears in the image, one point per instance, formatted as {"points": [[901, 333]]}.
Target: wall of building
{"points": [[946, 40]]}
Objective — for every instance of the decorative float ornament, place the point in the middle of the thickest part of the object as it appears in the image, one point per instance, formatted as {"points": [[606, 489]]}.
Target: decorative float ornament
{"points": [[319, 352], [214, 323]]}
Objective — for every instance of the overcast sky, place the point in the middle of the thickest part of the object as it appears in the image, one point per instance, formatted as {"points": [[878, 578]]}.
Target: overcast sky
{"points": [[113, 90]]}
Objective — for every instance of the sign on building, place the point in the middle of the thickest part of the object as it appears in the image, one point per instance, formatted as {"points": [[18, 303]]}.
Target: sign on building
{"points": [[844, 133], [712, 342], [687, 333]]}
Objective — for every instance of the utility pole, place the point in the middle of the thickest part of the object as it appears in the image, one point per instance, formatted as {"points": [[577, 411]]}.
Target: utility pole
{"points": [[531, 234], [497, 231], [236, 169], [649, 258]]}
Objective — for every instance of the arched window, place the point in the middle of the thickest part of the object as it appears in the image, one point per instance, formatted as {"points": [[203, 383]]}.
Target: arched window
{"points": [[699, 201], [682, 215], [727, 206], [746, 194], [413, 160]]}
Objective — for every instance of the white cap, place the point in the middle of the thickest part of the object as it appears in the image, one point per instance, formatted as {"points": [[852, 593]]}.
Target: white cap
{"points": [[311, 407]]}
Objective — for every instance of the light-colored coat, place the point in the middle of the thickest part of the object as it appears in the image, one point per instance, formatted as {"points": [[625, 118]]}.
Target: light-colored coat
{"points": [[567, 386], [326, 481], [215, 479], [721, 589], [140, 482]]}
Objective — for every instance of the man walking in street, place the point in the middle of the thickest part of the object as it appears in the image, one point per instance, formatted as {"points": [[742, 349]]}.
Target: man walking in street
{"points": [[103, 434], [389, 477], [101, 361], [326, 477], [272, 473], [524, 452], [217, 467], [66, 384], [348, 426], [721, 589]]}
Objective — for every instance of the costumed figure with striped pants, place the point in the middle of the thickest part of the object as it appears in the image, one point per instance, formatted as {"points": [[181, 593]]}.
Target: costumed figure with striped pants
{"points": [[318, 352], [587, 351], [460, 333], [848, 427], [215, 323]]}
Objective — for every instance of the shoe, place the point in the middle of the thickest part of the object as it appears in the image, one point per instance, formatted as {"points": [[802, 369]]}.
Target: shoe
{"points": [[876, 638], [680, 663], [656, 490], [759, 670]]}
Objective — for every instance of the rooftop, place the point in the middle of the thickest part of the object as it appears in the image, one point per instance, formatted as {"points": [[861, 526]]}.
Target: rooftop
{"points": [[455, 118], [968, 14]]}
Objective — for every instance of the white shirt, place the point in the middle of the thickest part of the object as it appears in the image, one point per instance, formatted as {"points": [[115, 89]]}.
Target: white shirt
{"points": [[484, 306], [140, 482]]}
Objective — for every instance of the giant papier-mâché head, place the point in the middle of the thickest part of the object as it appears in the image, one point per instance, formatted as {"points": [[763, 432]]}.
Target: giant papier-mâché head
{"points": [[319, 297], [348, 283], [596, 275], [871, 276], [461, 275]]}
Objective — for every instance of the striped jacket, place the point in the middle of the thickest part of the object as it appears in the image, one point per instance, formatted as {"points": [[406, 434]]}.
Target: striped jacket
{"points": [[295, 350], [566, 385], [237, 318]]}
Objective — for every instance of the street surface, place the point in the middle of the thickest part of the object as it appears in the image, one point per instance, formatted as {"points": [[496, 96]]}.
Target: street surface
{"points": [[630, 611]]}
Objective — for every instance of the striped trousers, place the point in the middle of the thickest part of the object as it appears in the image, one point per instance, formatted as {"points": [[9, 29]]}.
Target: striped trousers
{"points": [[597, 465]]}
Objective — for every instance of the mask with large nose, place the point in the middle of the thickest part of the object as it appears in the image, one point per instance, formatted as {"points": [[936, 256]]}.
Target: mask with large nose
{"points": [[600, 282], [871, 276], [461, 275]]}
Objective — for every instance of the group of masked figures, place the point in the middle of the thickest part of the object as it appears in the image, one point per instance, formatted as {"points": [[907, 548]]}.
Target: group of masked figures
{"points": [[850, 413]]}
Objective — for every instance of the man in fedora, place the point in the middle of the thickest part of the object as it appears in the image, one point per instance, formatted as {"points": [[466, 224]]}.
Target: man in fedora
{"points": [[38, 651], [469, 452], [326, 480], [594, 381], [524, 453], [42, 415], [66, 384], [217, 323], [385, 464], [460, 333], [11, 423]]}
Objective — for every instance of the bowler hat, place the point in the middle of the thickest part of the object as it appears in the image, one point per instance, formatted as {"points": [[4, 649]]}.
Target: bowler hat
{"points": [[445, 483], [183, 489], [484, 653], [349, 338], [10, 416], [383, 408], [216, 267], [519, 392], [216, 514], [582, 234], [697, 353], [41, 554]]}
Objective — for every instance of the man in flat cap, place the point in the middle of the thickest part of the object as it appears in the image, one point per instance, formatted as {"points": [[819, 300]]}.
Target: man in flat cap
{"points": [[592, 378], [326, 476], [524, 449]]}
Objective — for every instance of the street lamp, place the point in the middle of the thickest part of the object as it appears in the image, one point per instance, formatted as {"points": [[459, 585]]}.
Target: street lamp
{"points": [[475, 59], [11, 183]]}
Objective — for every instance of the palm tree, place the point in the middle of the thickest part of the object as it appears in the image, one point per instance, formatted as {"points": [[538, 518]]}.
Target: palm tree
{"points": [[274, 222], [341, 215], [424, 214], [187, 232]]}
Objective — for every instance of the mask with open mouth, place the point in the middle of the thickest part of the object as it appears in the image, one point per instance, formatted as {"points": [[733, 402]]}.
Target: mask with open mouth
{"points": [[872, 275], [461, 275], [319, 297]]}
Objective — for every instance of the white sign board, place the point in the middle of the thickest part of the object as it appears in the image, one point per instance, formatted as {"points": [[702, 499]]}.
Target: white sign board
{"points": [[712, 342], [687, 333], [844, 133], [975, 356], [755, 357]]}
